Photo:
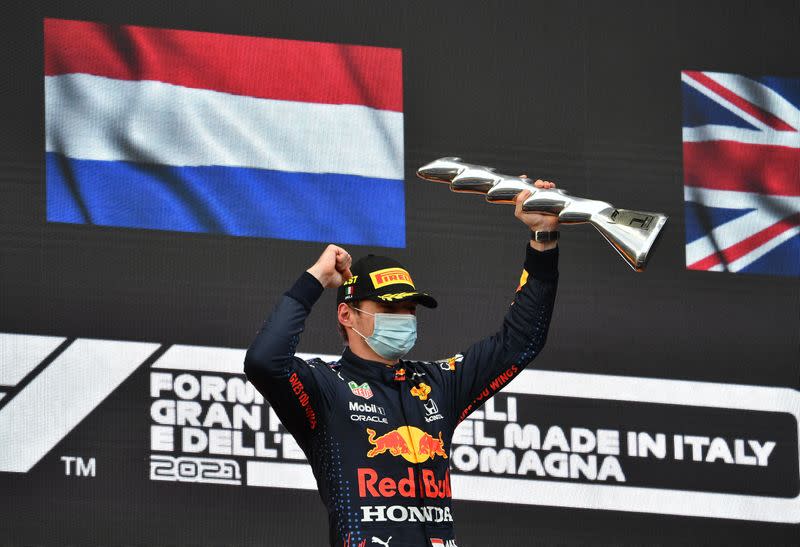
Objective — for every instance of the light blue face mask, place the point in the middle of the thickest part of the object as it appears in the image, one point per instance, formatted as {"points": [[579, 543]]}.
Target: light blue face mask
{"points": [[394, 334]]}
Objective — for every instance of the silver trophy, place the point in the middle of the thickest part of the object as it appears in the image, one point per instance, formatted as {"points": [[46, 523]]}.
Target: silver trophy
{"points": [[631, 233]]}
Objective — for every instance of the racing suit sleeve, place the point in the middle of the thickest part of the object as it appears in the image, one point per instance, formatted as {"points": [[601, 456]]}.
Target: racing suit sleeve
{"points": [[287, 381], [489, 364]]}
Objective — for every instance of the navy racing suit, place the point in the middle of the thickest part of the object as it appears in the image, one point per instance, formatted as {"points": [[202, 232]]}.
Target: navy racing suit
{"points": [[377, 436]]}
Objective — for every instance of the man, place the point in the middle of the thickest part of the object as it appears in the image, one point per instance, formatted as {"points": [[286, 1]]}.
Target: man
{"points": [[376, 428]]}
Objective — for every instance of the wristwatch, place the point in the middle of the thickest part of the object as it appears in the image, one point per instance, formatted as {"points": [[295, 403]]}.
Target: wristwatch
{"points": [[543, 237]]}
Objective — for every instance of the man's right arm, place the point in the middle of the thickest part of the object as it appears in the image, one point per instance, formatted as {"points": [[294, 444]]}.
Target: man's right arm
{"points": [[271, 366], [287, 381]]}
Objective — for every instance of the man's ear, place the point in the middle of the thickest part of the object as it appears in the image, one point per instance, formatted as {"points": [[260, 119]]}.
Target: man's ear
{"points": [[344, 314]]}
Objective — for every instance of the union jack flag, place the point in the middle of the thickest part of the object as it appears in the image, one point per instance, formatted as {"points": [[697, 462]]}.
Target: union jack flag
{"points": [[741, 168]]}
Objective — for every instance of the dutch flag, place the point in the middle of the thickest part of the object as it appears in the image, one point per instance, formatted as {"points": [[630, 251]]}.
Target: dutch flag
{"points": [[203, 132]]}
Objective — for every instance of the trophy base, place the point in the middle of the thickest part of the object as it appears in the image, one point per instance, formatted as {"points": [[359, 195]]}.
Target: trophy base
{"points": [[633, 234]]}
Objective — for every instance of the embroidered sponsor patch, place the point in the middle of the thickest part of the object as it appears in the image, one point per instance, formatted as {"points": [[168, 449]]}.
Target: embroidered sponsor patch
{"points": [[390, 276], [362, 390], [450, 363], [390, 297], [522, 279], [422, 391]]}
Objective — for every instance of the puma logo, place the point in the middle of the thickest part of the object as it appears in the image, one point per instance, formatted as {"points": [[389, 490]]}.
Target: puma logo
{"points": [[379, 540]]}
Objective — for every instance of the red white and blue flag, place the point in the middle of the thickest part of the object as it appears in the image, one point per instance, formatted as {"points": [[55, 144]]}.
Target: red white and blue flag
{"points": [[741, 164], [203, 132]]}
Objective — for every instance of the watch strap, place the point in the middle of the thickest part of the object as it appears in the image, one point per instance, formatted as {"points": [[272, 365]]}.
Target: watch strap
{"points": [[544, 236]]}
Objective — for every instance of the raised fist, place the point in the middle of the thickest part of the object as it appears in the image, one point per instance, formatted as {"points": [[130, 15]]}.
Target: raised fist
{"points": [[332, 268]]}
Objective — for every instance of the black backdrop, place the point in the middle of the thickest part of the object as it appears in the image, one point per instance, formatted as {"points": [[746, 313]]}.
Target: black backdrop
{"points": [[583, 93]]}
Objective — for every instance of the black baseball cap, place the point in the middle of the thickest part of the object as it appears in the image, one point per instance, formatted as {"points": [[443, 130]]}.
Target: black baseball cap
{"points": [[382, 279]]}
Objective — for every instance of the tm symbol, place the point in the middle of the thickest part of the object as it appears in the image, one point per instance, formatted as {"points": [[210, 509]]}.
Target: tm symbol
{"points": [[75, 465]]}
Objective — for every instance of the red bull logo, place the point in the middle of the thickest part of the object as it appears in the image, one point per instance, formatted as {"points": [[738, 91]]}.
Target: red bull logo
{"points": [[393, 441], [374, 485], [430, 446], [413, 444]]}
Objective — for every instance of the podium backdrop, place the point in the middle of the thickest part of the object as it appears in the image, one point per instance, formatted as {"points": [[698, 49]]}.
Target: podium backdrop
{"points": [[167, 170]]}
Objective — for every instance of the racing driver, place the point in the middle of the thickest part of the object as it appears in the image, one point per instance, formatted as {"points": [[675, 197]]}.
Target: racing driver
{"points": [[376, 428]]}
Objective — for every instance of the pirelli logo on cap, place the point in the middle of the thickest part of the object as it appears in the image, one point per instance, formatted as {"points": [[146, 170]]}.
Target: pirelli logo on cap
{"points": [[390, 276]]}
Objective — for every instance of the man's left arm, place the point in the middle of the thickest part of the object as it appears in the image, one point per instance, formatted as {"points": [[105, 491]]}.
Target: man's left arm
{"points": [[489, 364]]}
